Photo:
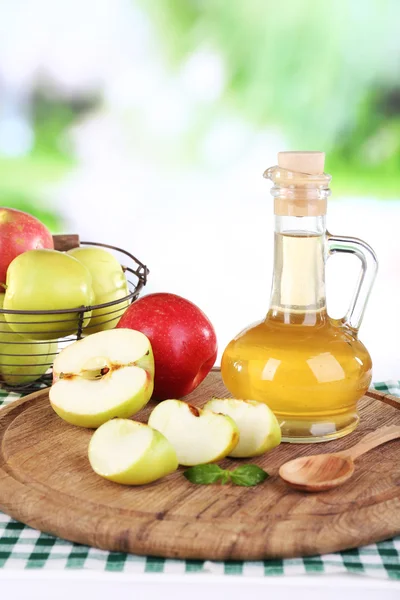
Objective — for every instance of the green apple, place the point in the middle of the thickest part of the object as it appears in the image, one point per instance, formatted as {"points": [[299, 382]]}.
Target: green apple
{"points": [[105, 375], [259, 429], [198, 436], [109, 284], [131, 453], [22, 362], [47, 280]]}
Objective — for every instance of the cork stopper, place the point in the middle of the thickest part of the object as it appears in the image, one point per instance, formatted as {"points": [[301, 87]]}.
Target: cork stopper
{"points": [[311, 163], [300, 184]]}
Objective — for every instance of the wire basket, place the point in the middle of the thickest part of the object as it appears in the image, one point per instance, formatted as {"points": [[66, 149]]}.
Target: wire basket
{"points": [[26, 364]]}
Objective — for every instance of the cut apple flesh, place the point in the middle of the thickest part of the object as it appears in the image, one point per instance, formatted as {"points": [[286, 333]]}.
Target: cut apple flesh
{"points": [[93, 397], [123, 349], [106, 375], [131, 453], [259, 429], [198, 436]]}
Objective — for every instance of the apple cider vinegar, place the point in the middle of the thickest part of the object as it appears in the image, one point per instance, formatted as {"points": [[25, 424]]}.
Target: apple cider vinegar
{"points": [[310, 369]]}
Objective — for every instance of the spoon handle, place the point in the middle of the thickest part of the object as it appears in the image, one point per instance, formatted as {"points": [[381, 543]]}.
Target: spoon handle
{"points": [[372, 440]]}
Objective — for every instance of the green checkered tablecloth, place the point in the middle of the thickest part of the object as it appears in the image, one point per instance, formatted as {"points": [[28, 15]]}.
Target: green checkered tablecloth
{"points": [[24, 548]]}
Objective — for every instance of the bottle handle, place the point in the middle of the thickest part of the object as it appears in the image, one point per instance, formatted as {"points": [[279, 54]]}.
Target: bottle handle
{"points": [[369, 268]]}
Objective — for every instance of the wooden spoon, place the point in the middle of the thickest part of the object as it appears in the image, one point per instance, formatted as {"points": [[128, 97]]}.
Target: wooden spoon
{"points": [[322, 472]]}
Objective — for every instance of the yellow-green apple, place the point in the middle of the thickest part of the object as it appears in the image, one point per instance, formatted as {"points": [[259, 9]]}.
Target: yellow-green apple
{"points": [[183, 341], [198, 436], [105, 375], [109, 284], [22, 362], [19, 232], [259, 429], [47, 280], [131, 453]]}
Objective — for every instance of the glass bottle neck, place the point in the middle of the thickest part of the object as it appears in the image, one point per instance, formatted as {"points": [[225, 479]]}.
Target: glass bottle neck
{"points": [[298, 288]]}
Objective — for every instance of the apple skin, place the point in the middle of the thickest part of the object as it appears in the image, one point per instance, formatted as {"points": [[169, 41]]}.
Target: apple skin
{"points": [[183, 340], [39, 354], [159, 459], [46, 280], [19, 232], [109, 283]]}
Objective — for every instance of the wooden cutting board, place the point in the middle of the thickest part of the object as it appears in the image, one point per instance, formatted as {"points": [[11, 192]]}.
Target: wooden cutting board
{"points": [[47, 483]]}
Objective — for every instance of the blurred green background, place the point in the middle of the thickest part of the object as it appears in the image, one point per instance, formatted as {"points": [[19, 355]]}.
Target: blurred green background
{"points": [[324, 75]]}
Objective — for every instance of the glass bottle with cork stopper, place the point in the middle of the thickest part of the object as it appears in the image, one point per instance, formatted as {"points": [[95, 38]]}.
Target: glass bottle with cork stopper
{"points": [[310, 369]]}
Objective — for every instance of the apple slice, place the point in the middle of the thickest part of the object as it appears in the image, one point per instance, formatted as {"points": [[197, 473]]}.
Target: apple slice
{"points": [[131, 453], [106, 375], [259, 430], [198, 436]]}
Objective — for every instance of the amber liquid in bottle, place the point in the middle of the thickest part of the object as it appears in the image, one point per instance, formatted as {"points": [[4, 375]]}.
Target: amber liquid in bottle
{"points": [[310, 369]]}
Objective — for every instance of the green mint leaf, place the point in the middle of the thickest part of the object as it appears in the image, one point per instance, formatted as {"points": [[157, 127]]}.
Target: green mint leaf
{"points": [[225, 477], [248, 475], [206, 474]]}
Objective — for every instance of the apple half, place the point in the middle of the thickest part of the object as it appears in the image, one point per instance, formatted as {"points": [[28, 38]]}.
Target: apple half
{"points": [[259, 430], [198, 436], [106, 375], [131, 453]]}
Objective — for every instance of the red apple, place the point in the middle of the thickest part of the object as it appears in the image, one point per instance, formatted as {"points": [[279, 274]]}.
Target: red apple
{"points": [[183, 341], [19, 232]]}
